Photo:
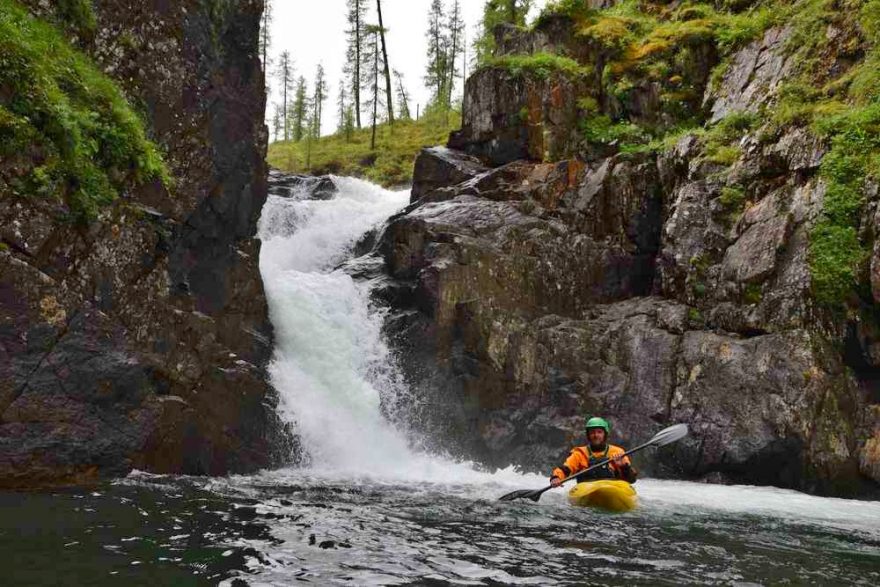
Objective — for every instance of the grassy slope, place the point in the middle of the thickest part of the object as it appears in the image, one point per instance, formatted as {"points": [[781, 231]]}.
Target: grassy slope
{"points": [[390, 164], [67, 131]]}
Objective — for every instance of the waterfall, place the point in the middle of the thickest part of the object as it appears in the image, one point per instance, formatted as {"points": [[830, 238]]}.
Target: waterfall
{"points": [[331, 365]]}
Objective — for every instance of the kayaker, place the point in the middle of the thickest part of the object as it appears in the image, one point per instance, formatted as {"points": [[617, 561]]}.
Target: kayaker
{"points": [[598, 450]]}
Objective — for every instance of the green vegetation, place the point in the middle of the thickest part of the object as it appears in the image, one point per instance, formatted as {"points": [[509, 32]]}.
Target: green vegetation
{"points": [[390, 164], [720, 140], [733, 200], [752, 294], [543, 65], [66, 130], [836, 253]]}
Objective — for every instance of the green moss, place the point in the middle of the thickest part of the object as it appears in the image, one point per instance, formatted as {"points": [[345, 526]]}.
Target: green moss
{"points": [[836, 253], [542, 65], [720, 141], [753, 294], [694, 315], [600, 129], [575, 9], [67, 124], [77, 16], [733, 200], [835, 256]]}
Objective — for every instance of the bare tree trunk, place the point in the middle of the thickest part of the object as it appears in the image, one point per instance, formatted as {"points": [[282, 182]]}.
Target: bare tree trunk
{"points": [[357, 71], [375, 91], [388, 98]]}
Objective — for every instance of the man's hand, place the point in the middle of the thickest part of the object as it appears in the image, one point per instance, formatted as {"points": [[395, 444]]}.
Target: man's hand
{"points": [[555, 482], [619, 461]]}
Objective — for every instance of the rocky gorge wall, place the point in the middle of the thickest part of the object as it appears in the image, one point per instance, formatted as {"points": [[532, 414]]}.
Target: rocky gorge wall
{"points": [[139, 340], [541, 275]]}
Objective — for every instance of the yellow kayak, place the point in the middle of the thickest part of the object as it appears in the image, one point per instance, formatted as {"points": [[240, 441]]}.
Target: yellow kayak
{"points": [[612, 495]]}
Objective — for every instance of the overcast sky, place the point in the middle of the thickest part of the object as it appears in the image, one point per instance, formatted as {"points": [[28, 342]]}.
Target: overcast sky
{"points": [[314, 31]]}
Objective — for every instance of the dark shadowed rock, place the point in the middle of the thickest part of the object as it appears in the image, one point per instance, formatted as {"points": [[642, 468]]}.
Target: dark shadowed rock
{"points": [[141, 339], [298, 187], [438, 167], [520, 116]]}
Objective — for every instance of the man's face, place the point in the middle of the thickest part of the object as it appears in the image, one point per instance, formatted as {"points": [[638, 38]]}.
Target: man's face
{"points": [[596, 436]]}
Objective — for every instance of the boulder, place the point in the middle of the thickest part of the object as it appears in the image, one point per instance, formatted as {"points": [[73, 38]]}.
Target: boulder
{"points": [[521, 115]]}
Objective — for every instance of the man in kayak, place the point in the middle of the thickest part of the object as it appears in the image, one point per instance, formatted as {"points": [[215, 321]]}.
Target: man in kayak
{"points": [[598, 450]]}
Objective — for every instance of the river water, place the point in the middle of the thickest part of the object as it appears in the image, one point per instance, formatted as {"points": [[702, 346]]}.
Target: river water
{"points": [[364, 508]]}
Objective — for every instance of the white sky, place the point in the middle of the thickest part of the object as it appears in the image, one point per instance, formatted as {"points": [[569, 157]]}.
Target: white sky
{"points": [[314, 31]]}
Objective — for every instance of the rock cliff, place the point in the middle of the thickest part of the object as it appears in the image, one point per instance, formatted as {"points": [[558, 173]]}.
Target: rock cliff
{"points": [[139, 338], [635, 222]]}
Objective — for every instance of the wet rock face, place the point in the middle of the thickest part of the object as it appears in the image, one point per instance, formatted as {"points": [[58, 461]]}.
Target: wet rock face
{"points": [[141, 340], [651, 289], [511, 116], [754, 76]]}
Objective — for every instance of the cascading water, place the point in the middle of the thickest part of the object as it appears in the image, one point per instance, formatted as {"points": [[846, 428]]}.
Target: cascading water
{"points": [[368, 510], [331, 365]]}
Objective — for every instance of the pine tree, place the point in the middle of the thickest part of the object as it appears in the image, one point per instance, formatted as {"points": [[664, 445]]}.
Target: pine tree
{"points": [[266, 33], [354, 55], [455, 34], [285, 73], [402, 97], [299, 111], [277, 121], [374, 55], [437, 70], [388, 101], [348, 127], [319, 96], [496, 12], [342, 105]]}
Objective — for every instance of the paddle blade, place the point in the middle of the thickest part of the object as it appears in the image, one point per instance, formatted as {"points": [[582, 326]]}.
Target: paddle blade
{"points": [[518, 494], [533, 494], [669, 435]]}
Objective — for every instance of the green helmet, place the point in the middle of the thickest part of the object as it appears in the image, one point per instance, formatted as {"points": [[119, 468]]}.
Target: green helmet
{"points": [[599, 423]]}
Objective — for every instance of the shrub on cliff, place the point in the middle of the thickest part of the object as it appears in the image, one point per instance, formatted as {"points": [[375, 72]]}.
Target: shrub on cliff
{"points": [[66, 130]]}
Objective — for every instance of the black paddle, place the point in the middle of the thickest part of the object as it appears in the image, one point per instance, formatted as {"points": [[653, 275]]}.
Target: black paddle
{"points": [[662, 438]]}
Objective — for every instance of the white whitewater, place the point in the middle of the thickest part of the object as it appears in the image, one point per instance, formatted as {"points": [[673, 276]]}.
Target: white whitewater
{"points": [[331, 364], [331, 367]]}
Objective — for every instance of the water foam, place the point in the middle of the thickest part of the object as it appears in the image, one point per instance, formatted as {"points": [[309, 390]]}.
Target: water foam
{"points": [[332, 366]]}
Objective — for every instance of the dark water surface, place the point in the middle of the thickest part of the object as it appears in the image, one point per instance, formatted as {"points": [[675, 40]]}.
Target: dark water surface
{"points": [[289, 527]]}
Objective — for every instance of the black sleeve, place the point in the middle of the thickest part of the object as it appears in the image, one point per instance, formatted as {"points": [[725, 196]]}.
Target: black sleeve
{"points": [[628, 473]]}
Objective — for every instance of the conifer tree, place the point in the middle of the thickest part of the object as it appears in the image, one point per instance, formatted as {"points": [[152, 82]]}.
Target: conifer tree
{"points": [[437, 70], [496, 12], [299, 111], [388, 100], [342, 106], [354, 56], [266, 33], [455, 34], [376, 95], [285, 73], [348, 127], [319, 96], [277, 121], [402, 98]]}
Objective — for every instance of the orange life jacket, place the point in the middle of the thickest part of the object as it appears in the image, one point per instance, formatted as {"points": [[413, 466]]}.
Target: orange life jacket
{"points": [[583, 457]]}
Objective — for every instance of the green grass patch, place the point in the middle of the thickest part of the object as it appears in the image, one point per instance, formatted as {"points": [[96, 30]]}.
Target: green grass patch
{"points": [[836, 253], [66, 130], [753, 294], [542, 65], [390, 164]]}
